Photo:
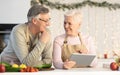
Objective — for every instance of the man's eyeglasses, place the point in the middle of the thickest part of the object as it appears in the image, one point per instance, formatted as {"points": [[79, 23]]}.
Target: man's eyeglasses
{"points": [[45, 20]]}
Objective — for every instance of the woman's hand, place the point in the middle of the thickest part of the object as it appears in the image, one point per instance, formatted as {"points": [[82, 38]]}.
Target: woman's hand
{"points": [[83, 51], [68, 64]]}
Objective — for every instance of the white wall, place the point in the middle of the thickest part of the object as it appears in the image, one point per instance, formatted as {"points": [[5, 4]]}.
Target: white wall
{"points": [[13, 11], [101, 23]]}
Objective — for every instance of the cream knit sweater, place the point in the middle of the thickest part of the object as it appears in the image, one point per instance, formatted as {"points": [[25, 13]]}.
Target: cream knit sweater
{"points": [[31, 52]]}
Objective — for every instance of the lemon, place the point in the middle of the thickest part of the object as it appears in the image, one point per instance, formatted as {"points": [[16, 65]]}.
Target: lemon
{"points": [[15, 66], [23, 66]]}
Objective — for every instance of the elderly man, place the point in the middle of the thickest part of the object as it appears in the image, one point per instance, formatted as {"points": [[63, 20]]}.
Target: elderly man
{"points": [[30, 43]]}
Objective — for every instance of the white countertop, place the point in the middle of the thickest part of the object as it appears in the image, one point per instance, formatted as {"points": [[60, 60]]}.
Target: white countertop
{"points": [[74, 71], [103, 65]]}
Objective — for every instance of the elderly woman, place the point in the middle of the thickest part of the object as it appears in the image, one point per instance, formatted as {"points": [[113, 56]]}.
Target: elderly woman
{"points": [[72, 41]]}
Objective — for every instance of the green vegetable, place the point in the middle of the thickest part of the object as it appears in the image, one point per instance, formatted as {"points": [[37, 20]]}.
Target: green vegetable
{"points": [[44, 66], [11, 69], [5, 64]]}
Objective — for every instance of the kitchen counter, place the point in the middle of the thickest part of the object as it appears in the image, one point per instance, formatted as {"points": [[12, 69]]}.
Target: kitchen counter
{"points": [[100, 69]]}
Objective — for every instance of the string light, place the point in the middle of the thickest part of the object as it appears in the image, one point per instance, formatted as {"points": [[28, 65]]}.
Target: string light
{"points": [[88, 26], [113, 34], [105, 32], [96, 34]]}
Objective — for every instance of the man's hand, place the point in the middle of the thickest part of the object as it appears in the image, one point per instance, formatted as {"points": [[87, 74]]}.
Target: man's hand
{"points": [[45, 36]]}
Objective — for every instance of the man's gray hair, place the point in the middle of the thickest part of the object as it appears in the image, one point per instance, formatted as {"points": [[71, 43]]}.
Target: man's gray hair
{"points": [[36, 10], [77, 16]]}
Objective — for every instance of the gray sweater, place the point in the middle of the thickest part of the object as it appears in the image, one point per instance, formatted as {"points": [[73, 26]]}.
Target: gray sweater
{"points": [[31, 52]]}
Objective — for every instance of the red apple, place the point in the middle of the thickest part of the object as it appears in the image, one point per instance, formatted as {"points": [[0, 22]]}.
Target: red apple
{"points": [[2, 68], [113, 66]]}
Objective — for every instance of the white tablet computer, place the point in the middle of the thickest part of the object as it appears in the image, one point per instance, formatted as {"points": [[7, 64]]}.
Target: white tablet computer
{"points": [[82, 60]]}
